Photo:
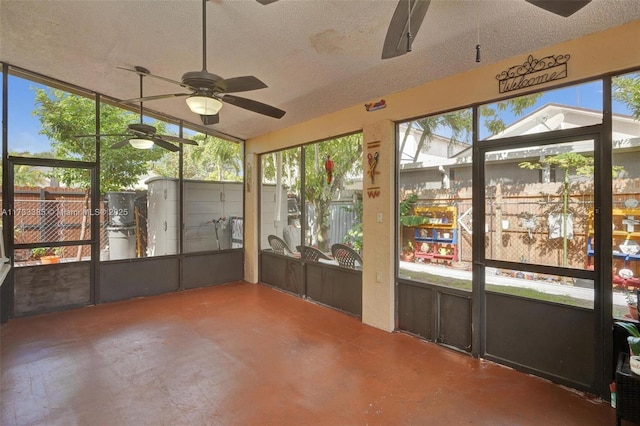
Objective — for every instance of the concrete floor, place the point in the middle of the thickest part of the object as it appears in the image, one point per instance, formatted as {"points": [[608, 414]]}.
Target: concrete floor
{"points": [[244, 354]]}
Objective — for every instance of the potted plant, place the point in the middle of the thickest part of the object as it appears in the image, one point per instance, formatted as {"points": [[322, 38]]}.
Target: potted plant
{"points": [[634, 345], [408, 252], [47, 260], [38, 252], [50, 258], [407, 218], [632, 303]]}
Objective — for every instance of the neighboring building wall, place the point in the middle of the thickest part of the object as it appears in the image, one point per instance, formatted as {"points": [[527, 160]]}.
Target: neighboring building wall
{"points": [[421, 180], [629, 161], [342, 219]]}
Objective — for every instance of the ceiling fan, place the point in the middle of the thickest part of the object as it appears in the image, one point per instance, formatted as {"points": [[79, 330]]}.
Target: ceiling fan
{"points": [[208, 90], [144, 136], [409, 14]]}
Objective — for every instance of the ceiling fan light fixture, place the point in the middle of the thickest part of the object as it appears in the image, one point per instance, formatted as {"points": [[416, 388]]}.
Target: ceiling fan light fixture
{"points": [[203, 105], [141, 143]]}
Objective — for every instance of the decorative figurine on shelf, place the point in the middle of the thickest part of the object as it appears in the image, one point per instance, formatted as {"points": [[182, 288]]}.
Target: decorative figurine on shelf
{"points": [[408, 252], [328, 166], [632, 304]]}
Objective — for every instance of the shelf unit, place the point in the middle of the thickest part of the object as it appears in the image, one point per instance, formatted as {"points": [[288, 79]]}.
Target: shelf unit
{"points": [[437, 239], [621, 233]]}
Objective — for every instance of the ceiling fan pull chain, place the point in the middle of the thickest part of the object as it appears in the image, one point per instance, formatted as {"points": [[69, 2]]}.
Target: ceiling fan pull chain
{"points": [[478, 31], [141, 95], [409, 27], [207, 91], [204, 35]]}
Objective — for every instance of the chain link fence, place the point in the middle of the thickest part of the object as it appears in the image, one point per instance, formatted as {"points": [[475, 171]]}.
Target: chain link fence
{"points": [[540, 230], [38, 221], [526, 227], [51, 220]]}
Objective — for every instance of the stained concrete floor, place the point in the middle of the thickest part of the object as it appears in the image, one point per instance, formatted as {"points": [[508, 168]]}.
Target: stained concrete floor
{"points": [[246, 354]]}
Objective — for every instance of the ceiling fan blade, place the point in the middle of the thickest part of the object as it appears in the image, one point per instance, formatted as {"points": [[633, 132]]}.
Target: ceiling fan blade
{"points": [[266, 2], [176, 139], [156, 97], [100, 135], [563, 8], [395, 43], [240, 84], [120, 144], [165, 145], [159, 77], [254, 106], [208, 120]]}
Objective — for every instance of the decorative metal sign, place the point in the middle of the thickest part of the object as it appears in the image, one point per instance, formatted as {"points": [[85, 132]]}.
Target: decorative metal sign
{"points": [[533, 72]]}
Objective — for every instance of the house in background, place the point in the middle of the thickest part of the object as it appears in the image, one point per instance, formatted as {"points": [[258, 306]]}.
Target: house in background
{"points": [[427, 166], [514, 190]]}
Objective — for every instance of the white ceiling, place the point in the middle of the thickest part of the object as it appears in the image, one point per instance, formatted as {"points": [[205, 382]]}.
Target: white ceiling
{"points": [[316, 56]]}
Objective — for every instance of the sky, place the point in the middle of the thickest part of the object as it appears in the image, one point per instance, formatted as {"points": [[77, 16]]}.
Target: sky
{"points": [[23, 127]]}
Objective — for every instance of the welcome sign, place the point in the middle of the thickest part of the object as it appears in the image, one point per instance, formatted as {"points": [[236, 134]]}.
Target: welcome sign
{"points": [[533, 72]]}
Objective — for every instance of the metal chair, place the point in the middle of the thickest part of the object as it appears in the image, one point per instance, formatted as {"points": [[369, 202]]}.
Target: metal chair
{"points": [[278, 245], [346, 256], [311, 254]]}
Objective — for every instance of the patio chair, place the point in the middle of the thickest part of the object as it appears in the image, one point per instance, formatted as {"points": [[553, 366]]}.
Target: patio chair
{"points": [[346, 256], [312, 254], [279, 246]]}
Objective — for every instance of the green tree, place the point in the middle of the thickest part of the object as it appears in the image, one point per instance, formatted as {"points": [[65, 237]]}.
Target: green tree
{"points": [[355, 234], [24, 175], [570, 163], [346, 154], [282, 169], [493, 115], [290, 169], [213, 159], [458, 125], [626, 89], [63, 116]]}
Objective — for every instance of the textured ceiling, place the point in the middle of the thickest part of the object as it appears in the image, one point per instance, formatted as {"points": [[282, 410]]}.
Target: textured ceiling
{"points": [[316, 56]]}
